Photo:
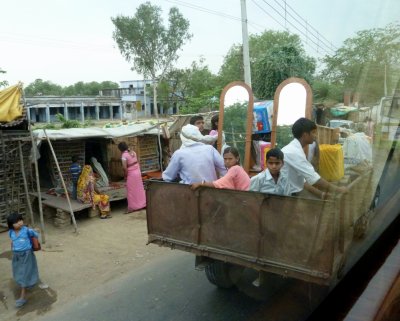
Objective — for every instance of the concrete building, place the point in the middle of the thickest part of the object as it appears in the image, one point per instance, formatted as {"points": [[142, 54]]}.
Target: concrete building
{"points": [[43, 109], [129, 102]]}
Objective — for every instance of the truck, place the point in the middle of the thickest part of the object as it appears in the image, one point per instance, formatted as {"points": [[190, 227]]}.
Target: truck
{"points": [[260, 243]]}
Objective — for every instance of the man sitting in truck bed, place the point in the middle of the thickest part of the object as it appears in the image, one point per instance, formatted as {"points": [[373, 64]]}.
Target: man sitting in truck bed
{"points": [[195, 161], [298, 169]]}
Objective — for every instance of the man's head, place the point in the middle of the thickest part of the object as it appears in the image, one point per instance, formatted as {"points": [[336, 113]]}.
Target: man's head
{"points": [[305, 130], [274, 159], [74, 158], [197, 121]]}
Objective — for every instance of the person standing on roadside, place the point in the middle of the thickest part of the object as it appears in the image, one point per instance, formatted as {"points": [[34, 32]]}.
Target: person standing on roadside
{"points": [[75, 171], [135, 193], [24, 264]]}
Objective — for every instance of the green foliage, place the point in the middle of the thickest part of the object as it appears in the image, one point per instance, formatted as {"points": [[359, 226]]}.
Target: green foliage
{"points": [[287, 56], [235, 127], [47, 88], [202, 103], [360, 64], [88, 89], [190, 88], [277, 64], [43, 88], [147, 43], [283, 136], [327, 93], [68, 123], [3, 83], [232, 67], [46, 126]]}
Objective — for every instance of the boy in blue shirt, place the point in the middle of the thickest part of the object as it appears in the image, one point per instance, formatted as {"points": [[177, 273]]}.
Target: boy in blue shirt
{"points": [[272, 180], [75, 171]]}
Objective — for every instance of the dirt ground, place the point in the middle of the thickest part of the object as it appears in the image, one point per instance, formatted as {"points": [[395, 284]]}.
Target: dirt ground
{"points": [[73, 264]]}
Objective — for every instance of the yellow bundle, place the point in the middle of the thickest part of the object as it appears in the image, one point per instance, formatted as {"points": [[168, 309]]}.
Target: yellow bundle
{"points": [[10, 107], [331, 162]]}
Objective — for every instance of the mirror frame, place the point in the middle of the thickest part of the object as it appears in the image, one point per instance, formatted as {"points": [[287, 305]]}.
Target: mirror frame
{"points": [[308, 107], [249, 122]]}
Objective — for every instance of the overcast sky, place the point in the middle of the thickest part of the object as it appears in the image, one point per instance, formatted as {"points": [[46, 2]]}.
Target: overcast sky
{"points": [[66, 41]]}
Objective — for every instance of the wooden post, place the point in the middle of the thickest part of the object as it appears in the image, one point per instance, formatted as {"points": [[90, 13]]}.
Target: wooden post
{"points": [[62, 181], [3, 146], [34, 155], [28, 201]]}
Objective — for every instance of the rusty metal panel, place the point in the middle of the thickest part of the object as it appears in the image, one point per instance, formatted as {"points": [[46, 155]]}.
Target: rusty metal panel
{"points": [[230, 220], [298, 233], [172, 211]]}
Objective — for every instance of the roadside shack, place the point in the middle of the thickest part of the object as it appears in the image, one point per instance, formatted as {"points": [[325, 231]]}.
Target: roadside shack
{"points": [[98, 148], [15, 145]]}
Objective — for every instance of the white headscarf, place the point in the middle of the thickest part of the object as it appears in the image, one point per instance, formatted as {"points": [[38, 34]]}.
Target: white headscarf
{"points": [[190, 135]]}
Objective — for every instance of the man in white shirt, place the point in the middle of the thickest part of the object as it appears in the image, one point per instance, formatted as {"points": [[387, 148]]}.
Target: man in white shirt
{"points": [[297, 168]]}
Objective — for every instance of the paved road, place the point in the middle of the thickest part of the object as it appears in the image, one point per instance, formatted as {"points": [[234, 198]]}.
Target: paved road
{"points": [[166, 289]]}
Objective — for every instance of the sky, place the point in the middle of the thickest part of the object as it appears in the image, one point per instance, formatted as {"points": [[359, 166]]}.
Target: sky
{"points": [[66, 41]]}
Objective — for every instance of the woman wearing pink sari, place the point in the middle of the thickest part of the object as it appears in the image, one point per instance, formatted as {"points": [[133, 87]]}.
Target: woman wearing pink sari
{"points": [[134, 185]]}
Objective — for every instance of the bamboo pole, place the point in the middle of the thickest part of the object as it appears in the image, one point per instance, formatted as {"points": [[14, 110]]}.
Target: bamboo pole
{"points": [[34, 155], [62, 181], [28, 201]]}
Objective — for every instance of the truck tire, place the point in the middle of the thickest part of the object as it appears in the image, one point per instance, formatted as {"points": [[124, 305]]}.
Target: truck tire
{"points": [[218, 273]]}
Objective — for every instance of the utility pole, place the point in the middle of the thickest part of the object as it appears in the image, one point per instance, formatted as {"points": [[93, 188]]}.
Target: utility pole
{"points": [[155, 84], [144, 98], [384, 83], [245, 36]]}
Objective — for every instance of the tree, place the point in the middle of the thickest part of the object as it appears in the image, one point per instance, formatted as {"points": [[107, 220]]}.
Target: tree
{"points": [[362, 62], [3, 83], [88, 89], [190, 89], [148, 44], [288, 59], [277, 64], [326, 92], [40, 87]]}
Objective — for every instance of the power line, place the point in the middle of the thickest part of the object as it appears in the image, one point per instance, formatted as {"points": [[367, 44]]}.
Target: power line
{"points": [[333, 47], [327, 49], [319, 43], [283, 26]]}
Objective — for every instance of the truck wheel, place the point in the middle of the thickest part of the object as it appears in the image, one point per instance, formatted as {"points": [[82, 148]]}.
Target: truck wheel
{"points": [[218, 273]]}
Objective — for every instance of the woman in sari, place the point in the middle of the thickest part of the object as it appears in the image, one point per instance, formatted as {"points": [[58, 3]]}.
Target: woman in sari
{"points": [[87, 192], [134, 185]]}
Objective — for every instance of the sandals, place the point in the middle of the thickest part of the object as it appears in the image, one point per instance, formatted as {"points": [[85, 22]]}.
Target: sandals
{"points": [[20, 302]]}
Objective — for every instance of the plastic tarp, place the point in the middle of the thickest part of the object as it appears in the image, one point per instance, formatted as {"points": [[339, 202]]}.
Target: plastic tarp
{"points": [[79, 133], [357, 149], [10, 106]]}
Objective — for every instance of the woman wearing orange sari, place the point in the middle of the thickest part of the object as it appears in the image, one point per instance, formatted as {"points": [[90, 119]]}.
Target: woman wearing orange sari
{"points": [[87, 192]]}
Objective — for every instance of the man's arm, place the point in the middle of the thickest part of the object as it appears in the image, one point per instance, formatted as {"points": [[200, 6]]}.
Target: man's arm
{"points": [[172, 170], [325, 185]]}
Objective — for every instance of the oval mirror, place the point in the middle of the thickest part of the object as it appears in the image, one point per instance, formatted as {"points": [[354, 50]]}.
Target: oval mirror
{"points": [[235, 120], [292, 100]]}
